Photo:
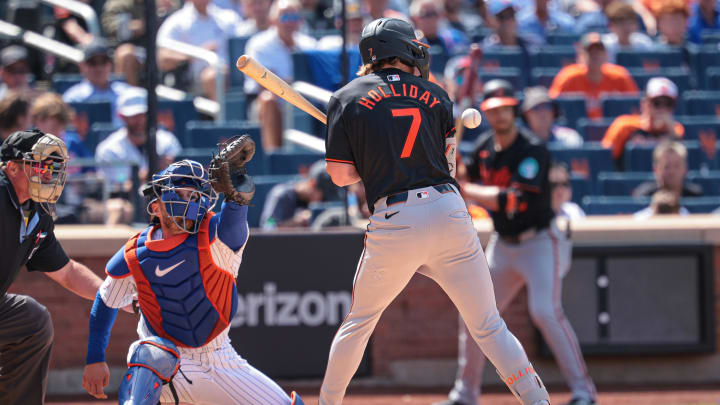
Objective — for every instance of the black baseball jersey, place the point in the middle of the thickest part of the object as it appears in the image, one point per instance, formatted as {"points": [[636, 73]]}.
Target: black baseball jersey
{"points": [[522, 169], [392, 126], [36, 247]]}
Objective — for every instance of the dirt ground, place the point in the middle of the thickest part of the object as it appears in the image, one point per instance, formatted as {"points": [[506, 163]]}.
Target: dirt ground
{"points": [[706, 396]]}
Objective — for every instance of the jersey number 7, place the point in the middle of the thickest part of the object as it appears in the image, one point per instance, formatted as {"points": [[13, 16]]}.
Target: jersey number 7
{"points": [[414, 128]]}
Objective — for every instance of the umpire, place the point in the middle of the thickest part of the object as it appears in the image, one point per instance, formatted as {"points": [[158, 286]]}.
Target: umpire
{"points": [[508, 174], [32, 177]]}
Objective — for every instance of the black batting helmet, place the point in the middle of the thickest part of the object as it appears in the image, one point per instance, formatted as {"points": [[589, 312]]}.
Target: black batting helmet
{"points": [[498, 93], [393, 38]]}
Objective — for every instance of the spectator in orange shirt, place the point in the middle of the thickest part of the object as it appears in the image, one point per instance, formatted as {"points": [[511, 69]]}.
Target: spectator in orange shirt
{"points": [[655, 121], [592, 76]]}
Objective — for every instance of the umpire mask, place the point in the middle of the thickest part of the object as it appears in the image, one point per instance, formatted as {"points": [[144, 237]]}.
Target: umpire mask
{"points": [[47, 159]]}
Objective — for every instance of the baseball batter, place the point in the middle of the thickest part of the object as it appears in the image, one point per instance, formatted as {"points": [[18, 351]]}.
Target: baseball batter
{"points": [[508, 175], [183, 269], [391, 129]]}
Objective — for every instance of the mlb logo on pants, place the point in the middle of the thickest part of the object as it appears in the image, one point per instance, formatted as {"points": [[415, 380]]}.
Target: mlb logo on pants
{"points": [[423, 194]]}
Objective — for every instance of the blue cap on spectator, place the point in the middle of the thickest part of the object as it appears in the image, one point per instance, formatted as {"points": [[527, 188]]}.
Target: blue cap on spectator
{"points": [[496, 7], [132, 101], [97, 47]]}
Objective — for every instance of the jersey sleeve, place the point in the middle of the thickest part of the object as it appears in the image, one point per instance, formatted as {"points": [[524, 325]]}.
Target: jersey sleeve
{"points": [[117, 292], [230, 225], [337, 142], [117, 266], [50, 256]]}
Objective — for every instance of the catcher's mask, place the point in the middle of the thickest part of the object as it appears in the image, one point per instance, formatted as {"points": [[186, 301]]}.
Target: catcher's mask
{"points": [[197, 199], [391, 37], [46, 159]]}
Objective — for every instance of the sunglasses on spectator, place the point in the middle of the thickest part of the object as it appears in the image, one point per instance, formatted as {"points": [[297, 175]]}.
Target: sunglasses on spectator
{"points": [[98, 61], [663, 102], [508, 14], [429, 14], [290, 17], [556, 184]]}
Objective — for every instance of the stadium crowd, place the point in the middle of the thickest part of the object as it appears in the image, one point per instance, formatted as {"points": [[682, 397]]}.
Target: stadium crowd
{"points": [[626, 94]]}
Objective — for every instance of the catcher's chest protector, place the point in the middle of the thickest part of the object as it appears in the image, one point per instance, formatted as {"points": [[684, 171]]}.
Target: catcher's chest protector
{"points": [[184, 296]]}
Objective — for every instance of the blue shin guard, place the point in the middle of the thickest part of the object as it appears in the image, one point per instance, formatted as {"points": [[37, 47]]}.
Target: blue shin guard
{"points": [[295, 399], [153, 363]]}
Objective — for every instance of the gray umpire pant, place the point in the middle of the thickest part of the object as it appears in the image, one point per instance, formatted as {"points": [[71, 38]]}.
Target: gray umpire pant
{"points": [[26, 336], [540, 264], [431, 233]]}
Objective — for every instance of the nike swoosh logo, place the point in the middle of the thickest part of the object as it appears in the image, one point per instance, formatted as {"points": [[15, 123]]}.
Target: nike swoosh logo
{"points": [[388, 216], [163, 272]]}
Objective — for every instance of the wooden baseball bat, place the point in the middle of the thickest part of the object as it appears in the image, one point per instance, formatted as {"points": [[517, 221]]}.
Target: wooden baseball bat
{"points": [[278, 86], [466, 96]]}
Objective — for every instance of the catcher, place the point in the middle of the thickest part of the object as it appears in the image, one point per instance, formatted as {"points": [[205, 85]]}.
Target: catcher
{"points": [[183, 269]]}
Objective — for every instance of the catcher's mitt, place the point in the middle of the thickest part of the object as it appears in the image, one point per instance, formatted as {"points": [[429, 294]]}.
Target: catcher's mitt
{"points": [[227, 169]]}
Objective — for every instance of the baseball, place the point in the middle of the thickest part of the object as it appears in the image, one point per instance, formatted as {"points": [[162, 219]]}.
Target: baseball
{"points": [[471, 118]]}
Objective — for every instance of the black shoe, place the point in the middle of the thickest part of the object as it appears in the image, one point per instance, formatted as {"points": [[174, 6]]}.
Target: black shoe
{"points": [[582, 401]]}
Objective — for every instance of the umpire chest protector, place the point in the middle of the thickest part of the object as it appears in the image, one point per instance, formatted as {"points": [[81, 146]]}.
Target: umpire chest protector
{"points": [[184, 296]]}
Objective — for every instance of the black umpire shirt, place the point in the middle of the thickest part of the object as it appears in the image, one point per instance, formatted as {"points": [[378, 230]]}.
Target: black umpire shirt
{"points": [[33, 245], [523, 168], [392, 126]]}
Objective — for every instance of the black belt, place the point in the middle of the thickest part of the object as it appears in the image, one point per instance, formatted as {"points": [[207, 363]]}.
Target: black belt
{"points": [[523, 236], [402, 197]]}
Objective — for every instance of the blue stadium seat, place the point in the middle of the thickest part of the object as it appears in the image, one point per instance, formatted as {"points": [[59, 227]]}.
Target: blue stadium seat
{"points": [[98, 132], [586, 161], [60, 82], [499, 58], [651, 61], [562, 38], [543, 76], [204, 134], [621, 184], [321, 68], [680, 76], [638, 157], [700, 205], [263, 185], [573, 108], [712, 78], [174, 116], [613, 205], [710, 182], [593, 130], [554, 56], [698, 102], [236, 48], [581, 187], [291, 162], [511, 74], [479, 32], [710, 37], [235, 106], [90, 112], [200, 155], [701, 59], [614, 105], [705, 126]]}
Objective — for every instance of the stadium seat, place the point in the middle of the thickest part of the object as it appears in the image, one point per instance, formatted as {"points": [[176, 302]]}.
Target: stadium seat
{"points": [[291, 162], [543, 76], [321, 68], [479, 32], [174, 116], [621, 184], [561, 38], [573, 108], [700, 126], [614, 105], [709, 181], [98, 132], [702, 59], [613, 205], [710, 37], [712, 78], [236, 48], [700, 205], [235, 106], [581, 187], [200, 155], [701, 102], [90, 112], [554, 56], [586, 161], [680, 76], [60, 82], [651, 61], [638, 157], [593, 130], [204, 134], [263, 185], [511, 74], [500, 58]]}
